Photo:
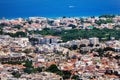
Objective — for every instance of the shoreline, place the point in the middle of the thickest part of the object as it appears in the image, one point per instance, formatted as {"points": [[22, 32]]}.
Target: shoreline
{"points": [[55, 17]]}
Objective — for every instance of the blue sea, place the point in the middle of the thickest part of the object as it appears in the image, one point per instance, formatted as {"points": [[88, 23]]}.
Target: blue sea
{"points": [[57, 8]]}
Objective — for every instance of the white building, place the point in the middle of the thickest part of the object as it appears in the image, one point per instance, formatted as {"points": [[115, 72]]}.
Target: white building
{"points": [[94, 40]]}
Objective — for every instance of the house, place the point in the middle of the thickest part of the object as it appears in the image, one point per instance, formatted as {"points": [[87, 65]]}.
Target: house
{"points": [[94, 40], [13, 57]]}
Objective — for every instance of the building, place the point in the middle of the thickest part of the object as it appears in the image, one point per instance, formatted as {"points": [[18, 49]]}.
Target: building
{"points": [[13, 57], [94, 40]]}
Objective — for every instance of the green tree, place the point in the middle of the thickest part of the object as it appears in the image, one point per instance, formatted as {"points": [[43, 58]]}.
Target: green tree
{"points": [[17, 26], [20, 34], [100, 52], [82, 45], [97, 45], [1, 30], [91, 45], [73, 34], [75, 77], [17, 34], [39, 69], [73, 47], [27, 51], [107, 16], [66, 74], [27, 70], [117, 57], [108, 49], [53, 68], [72, 25], [16, 74], [28, 64]]}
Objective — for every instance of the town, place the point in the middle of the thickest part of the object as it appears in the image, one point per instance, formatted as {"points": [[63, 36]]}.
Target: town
{"points": [[64, 48]]}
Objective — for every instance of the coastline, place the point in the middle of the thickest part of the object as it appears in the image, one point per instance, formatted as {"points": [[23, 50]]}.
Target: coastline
{"points": [[55, 17]]}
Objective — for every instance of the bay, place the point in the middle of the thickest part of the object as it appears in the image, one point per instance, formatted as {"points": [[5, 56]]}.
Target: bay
{"points": [[57, 8]]}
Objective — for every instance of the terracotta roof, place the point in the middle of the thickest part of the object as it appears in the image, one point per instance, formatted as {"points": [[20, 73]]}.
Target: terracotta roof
{"points": [[111, 76], [67, 68], [50, 36], [6, 65], [50, 63], [21, 66], [1, 69], [9, 65]]}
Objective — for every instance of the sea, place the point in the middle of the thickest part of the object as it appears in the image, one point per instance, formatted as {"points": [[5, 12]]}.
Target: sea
{"points": [[57, 8]]}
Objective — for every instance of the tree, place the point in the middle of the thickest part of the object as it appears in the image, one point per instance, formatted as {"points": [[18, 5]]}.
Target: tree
{"points": [[27, 51], [83, 52], [53, 68], [27, 70], [81, 20], [100, 52], [109, 72], [66, 74], [17, 34], [97, 45], [17, 26], [99, 22], [74, 47], [46, 29], [30, 21], [39, 69], [50, 22], [73, 34], [20, 34], [30, 69], [72, 25], [1, 30], [64, 16], [107, 16], [108, 49], [16, 74], [3, 24], [117, 57], [82, 45], [116, 73], [75, 77], [28, 64], [91, 45]]}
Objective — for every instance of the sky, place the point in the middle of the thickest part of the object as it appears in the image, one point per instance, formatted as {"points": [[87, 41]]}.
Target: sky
{"points": [[13, 8]]}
